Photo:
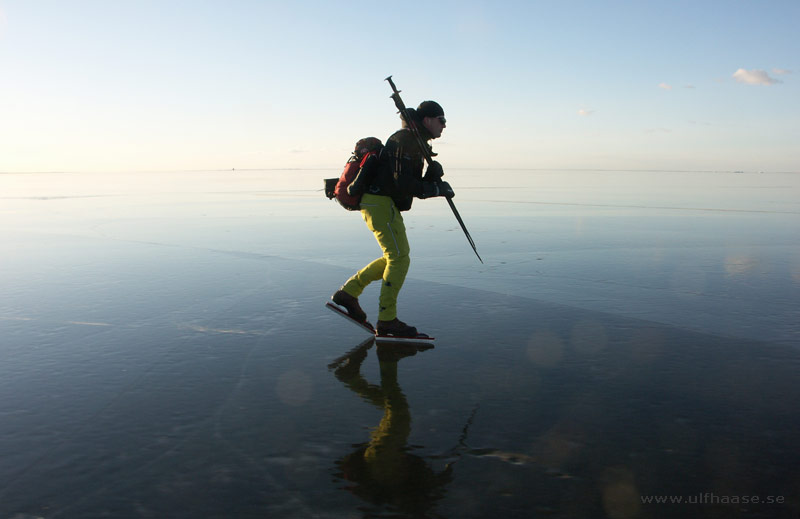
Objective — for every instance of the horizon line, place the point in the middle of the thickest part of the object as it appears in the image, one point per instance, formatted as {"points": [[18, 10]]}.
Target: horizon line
{"points": [[219, 170]]}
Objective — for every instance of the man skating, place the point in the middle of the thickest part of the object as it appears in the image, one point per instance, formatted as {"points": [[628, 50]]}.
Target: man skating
{"points": [[397, 180]]}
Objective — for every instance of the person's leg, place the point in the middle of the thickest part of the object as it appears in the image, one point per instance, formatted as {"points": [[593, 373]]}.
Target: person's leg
{"points": [[372, 272], [386, 223]]}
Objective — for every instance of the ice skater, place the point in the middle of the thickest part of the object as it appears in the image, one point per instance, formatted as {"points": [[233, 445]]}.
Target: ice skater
{"points": [[398, 179]]}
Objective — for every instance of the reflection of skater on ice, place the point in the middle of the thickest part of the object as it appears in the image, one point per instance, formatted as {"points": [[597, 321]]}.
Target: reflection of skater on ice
{"points": [[382, 471]]}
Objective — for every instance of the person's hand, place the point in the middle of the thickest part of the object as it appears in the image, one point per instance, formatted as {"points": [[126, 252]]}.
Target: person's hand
{"points": [[434, 173], [445, 190], [431, 189]]}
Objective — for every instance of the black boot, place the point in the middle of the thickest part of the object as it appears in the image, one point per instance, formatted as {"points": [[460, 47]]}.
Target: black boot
{"points": [[396, 328], [350, 304]]}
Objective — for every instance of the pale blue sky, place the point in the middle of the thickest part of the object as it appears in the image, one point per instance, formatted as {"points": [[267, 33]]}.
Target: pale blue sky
{"points": [[161, 85]]}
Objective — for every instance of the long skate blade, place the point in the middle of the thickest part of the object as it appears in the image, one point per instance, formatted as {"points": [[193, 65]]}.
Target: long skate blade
{"points": [[364, 326], [421, 339]]}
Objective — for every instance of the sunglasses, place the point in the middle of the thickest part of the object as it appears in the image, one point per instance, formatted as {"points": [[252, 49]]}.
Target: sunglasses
{"points": [[442, 119]]}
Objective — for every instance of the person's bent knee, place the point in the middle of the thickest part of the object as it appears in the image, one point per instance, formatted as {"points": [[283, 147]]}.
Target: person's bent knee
{"points": [[403, 261]]}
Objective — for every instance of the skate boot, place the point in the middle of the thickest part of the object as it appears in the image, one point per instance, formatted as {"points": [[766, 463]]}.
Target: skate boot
{"points": [[396, 328], [350, 304]]}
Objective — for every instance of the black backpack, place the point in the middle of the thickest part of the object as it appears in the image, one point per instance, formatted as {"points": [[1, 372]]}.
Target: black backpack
{"points": [[357, 174]]}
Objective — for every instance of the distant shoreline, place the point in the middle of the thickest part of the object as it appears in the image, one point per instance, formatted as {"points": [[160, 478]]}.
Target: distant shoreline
{"points": [[232, 170]]}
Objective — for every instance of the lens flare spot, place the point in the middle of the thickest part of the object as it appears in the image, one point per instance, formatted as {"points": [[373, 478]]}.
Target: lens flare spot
{"points": [[740, 265], [294, 388], [588, 337], [620, 496], [545, 349]]}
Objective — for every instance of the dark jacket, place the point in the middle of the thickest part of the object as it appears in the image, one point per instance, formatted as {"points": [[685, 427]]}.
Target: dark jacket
{"points": [[399, 174]]}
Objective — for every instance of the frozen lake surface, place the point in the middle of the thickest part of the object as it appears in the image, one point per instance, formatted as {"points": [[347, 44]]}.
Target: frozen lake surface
{"points": [[632, 336]]}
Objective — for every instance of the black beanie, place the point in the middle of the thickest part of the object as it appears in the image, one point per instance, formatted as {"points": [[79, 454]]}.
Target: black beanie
{"points": [[429, 109]]}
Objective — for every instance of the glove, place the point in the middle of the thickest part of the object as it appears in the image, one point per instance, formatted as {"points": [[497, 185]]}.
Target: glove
{"points": [[434, 173], [430, 190], [445, 190]]}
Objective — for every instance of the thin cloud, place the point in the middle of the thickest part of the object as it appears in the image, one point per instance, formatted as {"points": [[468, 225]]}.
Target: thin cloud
{"points": [[665, 86], [689, 86], [781, 71], [585, 112], [754, 77]]}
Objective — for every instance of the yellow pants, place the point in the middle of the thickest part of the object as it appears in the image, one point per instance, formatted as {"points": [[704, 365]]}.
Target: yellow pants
{"points": [[386, 222]]}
